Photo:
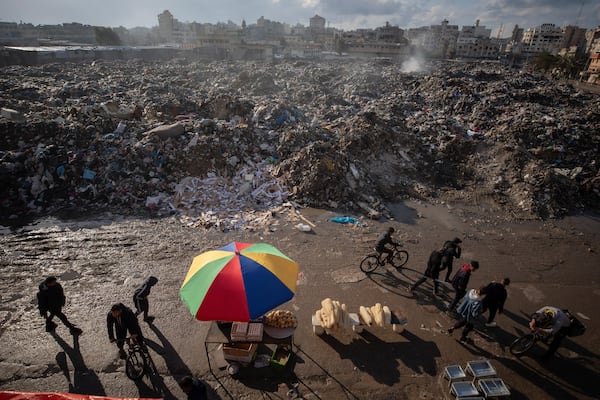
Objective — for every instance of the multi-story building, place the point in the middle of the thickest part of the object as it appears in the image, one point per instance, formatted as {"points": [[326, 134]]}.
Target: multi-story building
{"points": [[166, 26], [593, 64], [436, 40], [546, 38], [171, 30], [317, 23], [389, 34], [474, 42], [266, 30], [590, 38], [573, 36]]}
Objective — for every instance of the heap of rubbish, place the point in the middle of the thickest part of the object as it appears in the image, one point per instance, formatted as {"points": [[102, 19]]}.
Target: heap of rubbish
{"points": [[234, 145]]}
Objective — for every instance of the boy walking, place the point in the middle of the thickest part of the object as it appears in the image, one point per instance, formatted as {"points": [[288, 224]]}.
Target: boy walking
{"points": [[140, 298]]}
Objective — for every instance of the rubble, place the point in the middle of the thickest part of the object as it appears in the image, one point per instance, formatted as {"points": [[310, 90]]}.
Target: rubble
{"points": [[231, 145]]}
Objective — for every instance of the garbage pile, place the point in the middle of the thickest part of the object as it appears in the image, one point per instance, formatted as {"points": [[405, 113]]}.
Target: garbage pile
{"points": [[234, 145]]}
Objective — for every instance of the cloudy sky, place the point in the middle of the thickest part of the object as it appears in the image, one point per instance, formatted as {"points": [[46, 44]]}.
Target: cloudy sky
{"points": [[345, 14]]}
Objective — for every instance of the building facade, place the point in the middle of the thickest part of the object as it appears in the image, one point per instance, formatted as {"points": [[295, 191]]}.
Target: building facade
{"points": [[546, 38]]}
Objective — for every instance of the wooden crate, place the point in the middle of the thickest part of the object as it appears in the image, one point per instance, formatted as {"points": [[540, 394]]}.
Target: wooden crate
{"points": [[242, 352]]}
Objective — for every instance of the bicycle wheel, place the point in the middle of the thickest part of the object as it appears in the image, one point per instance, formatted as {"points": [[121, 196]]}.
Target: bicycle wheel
{"points": [[400, 258], [135, 365], [522, 344], [369, 264]]}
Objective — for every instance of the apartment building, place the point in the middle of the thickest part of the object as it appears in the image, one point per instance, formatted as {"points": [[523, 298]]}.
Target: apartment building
{"points": [[545, 38], [474, 42]]}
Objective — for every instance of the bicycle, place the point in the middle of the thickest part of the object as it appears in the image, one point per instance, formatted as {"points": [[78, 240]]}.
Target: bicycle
{"points": [[527, 341], [374, 260], [136, 363]]}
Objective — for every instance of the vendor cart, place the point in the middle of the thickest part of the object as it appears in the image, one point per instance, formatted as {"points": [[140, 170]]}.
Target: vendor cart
{"points": [[260, 346]]}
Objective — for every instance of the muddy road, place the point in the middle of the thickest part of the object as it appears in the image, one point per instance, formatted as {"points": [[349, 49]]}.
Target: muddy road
{"points": [[101, 260]]}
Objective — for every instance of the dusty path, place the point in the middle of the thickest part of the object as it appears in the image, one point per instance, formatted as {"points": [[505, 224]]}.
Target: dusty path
{"points": [[101, 260]]}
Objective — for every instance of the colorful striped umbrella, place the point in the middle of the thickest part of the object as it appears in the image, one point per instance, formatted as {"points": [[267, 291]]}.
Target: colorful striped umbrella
{"points": [[238, 282]]}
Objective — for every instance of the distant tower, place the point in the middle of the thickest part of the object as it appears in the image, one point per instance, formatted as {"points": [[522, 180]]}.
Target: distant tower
{"points": [[166, 25], [317, 23]]}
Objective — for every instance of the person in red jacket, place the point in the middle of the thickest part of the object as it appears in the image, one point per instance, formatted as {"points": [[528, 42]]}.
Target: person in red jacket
{"points": [[460, 282]]}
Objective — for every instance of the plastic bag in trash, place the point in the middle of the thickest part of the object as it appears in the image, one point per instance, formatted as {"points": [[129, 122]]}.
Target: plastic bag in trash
{"points": [[345, 220]]}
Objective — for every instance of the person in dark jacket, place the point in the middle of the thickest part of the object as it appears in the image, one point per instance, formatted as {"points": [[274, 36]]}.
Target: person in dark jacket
{"points": [[51, 299], [384, 240], [119, 321], [450, 251], [494, 300], [140, 298], [193, 388], [433, 271], [460, 282]]}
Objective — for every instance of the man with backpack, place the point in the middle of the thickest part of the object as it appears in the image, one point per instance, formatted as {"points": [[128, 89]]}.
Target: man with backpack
{"points": [[51, 299]]}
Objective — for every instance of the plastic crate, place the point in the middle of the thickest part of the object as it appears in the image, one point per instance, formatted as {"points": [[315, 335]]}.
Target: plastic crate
{"points": [[281, 356]]}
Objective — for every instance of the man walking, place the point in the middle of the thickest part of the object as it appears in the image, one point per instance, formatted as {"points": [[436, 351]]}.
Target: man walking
{"points": [[450, 251], [432, 271], [494, 300], [51, 299], [140, 298], [119, 321], [460, 282]]}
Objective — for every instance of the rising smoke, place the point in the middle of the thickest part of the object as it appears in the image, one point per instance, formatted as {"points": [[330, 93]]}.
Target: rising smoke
{"points": [[413, 64]]}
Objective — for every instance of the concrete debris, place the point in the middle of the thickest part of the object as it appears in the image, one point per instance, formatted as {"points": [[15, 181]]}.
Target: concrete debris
{"points": [[231, 144]]}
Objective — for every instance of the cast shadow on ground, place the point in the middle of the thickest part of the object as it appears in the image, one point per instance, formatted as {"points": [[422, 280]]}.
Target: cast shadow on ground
{"points": [[269, 381], [416, 354], [85, 381], [390, 281], [403, 214], [152, 383], [176, 367], [574, 374]]}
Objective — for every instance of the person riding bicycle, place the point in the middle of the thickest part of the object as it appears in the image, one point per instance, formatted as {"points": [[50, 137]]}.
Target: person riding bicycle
{"points": [[383, 240], [120, 320], [552, 322]]}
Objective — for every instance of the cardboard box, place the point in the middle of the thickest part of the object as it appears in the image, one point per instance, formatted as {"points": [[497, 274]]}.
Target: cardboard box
{"points": [[242, 352]]}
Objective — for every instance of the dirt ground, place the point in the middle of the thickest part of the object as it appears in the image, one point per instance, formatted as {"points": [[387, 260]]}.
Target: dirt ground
{"points": [[100, 261]]}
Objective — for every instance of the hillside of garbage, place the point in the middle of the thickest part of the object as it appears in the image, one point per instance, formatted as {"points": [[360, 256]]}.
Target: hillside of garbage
{"points": [[231, 145]]}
